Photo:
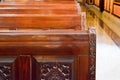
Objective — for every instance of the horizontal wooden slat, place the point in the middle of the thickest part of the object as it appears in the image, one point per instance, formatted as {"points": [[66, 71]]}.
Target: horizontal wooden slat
{"points": [[39, 2], [44, 48], [37, 11], [37, 38], [36, 21]]}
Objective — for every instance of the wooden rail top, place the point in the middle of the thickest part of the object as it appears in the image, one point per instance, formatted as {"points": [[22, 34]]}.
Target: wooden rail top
{"points": [[34, 4], [40, 3], [45, 14], [36, 21], [37, 11], [51, 25], [56, 4], [41, 7], [43, 41]]}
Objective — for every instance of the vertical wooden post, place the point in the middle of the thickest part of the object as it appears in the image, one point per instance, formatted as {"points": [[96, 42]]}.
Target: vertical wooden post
{"points": [[22, 68]]}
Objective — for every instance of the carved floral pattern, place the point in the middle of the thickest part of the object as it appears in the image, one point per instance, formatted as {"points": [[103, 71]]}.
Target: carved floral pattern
{"points": [[5, 70], [55, 71], [92, 58]]}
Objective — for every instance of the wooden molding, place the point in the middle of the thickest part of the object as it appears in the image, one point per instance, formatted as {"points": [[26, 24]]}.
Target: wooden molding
{"points": [[92, 54]]}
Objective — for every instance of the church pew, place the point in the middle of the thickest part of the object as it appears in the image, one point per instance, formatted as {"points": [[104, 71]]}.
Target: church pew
{"points": [[32, 10], [45, 45], [37, 21], [54, 17], [42, 1], [67, 4], [32, 6], [32, 38], [38, 3], [39, 6], [37, 11], [24, 52]]}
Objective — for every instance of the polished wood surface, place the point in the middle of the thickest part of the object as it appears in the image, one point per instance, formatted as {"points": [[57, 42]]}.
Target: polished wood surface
{"points": [[36, 21], [36, 10], [22, 72], [44, 16], [47, 47], [43, 41], [46, 40], [38, 3]]}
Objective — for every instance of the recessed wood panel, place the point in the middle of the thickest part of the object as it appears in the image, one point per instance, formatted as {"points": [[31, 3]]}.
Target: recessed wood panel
{"points": [[117, 10], [97, 2], [6, 67], [56, 67]]}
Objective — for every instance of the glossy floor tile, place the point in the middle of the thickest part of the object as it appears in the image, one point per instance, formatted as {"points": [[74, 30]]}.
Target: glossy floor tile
{"points": [[108, 53]]}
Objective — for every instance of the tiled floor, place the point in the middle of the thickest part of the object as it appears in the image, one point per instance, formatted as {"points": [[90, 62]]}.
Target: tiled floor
{"points": [[108, 53]]}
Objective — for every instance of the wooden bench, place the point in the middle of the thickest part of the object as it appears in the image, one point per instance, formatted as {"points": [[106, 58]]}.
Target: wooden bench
{"points": [[34, 51], [45, 45], [36, 21], [38, 3], [36, 11], [42, 17], [41, 4]]}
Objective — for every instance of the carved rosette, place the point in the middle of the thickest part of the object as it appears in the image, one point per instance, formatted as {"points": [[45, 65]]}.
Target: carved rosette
{"points": [[92, 54], [55, 71], [5, 70]]}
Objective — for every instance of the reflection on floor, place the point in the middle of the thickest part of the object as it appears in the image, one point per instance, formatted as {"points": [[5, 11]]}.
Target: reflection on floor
{"points": [[108, 53], [110, 25]]}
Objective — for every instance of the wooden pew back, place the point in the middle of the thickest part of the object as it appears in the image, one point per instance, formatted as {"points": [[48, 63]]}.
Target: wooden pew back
{"points": [[47, 15], [43, 45], [36, 21]]}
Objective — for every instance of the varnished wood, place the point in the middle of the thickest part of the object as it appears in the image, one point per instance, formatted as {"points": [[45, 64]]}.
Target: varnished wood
{"points": [[42, 45], [38, 3], [6, 67], [32, 10], [45, 16], [22, 68], [48, 39], [36, 21]]}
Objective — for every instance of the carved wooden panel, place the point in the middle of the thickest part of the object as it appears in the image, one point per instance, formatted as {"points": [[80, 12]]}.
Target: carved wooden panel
{"points": [[6, 67], [92, 54], [50, 42], [56, 68], [5, 71], [55, 71]]}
